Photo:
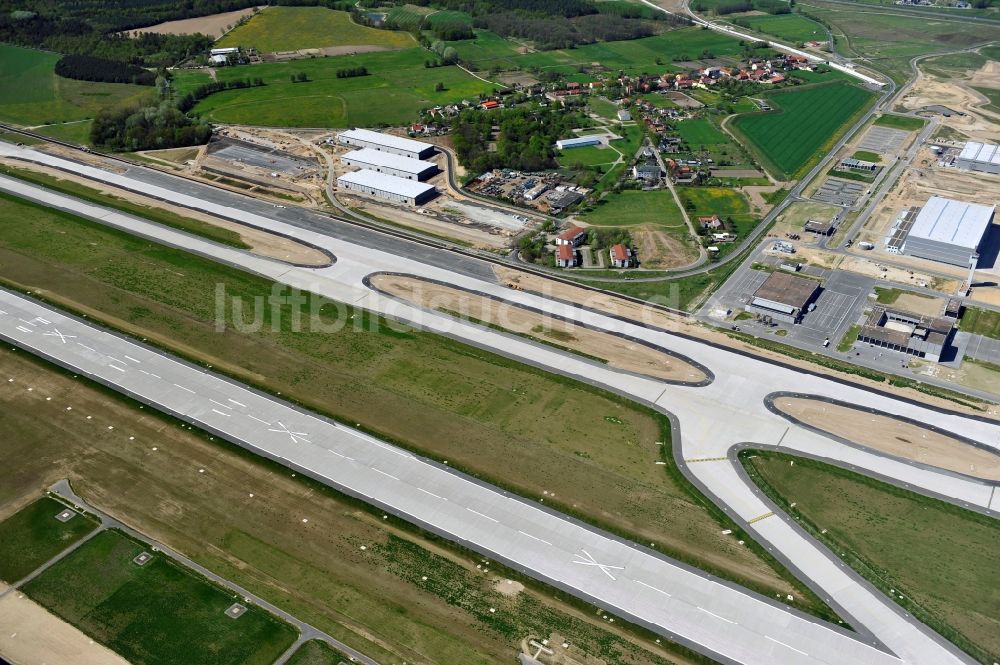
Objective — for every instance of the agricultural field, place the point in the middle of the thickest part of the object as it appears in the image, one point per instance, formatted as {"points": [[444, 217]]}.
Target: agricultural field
{"points": [[807, 120], [375, 601], [155, 614], [31, 93], [293, 28], [426, 392], [33, 535], [939, 560], [407, 17], [699, 132], [908, 123], [792, 28], [397, 88]]}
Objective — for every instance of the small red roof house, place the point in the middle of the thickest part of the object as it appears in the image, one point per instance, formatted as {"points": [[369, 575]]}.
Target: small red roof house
{"points": [[571, 237], [490, 104], [777, 78], [566, 256], [712, 222], [573, 85], [416, 128], [621, 256]]}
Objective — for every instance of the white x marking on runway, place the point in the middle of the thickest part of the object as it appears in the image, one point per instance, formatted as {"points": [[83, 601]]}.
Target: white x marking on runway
{"points": [[295, 436], [587, 560], [55, 333]]}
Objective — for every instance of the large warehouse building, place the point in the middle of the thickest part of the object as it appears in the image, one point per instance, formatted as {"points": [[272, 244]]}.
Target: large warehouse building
{"points": [[977, 156], [388, 187], [396, 145], [386, 162], [948, 231], [783, 297]]}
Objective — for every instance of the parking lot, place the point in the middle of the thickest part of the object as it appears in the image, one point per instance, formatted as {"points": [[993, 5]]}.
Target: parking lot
{"points": [[262, 157], [883, 140], [979, 347], [839, 191]]}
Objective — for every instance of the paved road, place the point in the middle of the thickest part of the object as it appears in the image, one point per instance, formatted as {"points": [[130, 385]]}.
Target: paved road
{"points": [[711, 422]]}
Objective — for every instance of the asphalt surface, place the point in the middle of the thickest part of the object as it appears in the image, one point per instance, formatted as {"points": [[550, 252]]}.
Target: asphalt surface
{"points": [[712, 422]]}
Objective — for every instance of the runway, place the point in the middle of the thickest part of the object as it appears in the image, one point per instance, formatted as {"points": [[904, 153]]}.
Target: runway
{"points": [[730, 624]]}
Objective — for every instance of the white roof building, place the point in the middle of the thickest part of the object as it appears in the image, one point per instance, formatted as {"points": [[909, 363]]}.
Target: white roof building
{"points": [[387, 162], [397, 145], [384, 186], [948, 231], [577, 142], [977, 156], [224, 51]]}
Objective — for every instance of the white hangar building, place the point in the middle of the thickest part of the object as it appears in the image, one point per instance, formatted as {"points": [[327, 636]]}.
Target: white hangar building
{"points": [[977, 156], [396, 145], [387, 162], [948, 231], [387, 187]]}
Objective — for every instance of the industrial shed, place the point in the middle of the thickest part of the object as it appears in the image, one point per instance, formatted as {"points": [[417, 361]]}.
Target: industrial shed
{"points": [[577, 142], [912, 334], [977, 156], [783, 297], [386, 162], [948, 231], [388, 187], [396, 145]]}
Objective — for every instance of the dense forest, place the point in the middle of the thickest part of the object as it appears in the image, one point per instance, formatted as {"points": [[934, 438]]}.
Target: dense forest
{"points": [[524, 139], [89, 68], [147, 128]]}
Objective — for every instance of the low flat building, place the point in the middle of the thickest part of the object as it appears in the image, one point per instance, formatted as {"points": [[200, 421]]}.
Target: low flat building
{"points": [[387, 187], [566, 256], [397, 145], [783, 297], [819, 228], [624, 115], [392, 164], [948, 231], [621, 256], [559, 201], [859, 165], [912, 334], [977, 156], [577, 142]]}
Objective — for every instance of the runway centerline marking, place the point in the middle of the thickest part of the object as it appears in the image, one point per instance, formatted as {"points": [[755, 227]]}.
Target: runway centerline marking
{"points": [[183, 388], [523, 533], [86, 347], [716, 615], [650, 586], [586, 559], [482, 515], [383, 473], [224, 406], [23, 329], [132, 359], [236, 403], [221, 413], [768, 637], [432, 494], [250, 415], [116, 367]]}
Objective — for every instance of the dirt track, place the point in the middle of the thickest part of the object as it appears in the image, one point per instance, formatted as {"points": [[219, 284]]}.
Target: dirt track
{"points": [[213, 26], [619, 352], [894, 437], [32, 636]]}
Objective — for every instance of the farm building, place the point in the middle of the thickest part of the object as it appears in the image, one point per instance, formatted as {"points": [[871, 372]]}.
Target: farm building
{"points": [[387, 162], [566, 256], [648, 169], [783, 297], [396, 145], [977, 156], [948, 231], [388, 187], [577, 142], [712, 222], [621, 256], [572, 236], [912, 334]]}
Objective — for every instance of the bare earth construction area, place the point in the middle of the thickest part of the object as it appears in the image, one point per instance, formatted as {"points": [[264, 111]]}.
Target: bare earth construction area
{"points": [[893, 436], [617, 351]]}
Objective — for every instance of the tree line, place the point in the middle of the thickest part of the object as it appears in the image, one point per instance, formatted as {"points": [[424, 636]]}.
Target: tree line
{"points": [[89, 68], [147, 128], [524, 138], [351, 72]]}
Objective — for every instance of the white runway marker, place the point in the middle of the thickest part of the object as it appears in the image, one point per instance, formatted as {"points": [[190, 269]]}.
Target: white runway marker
{"points": [[482, 515], [249, 415], [132, 359], [283, 429], [650, 586], [768, 637], [586, 559], [220, 413], [236, 403], [55, 333], [177, 385], [86, 347], [524, 533], [432, 494], [384, 473], [716, 615], [116, 367]]}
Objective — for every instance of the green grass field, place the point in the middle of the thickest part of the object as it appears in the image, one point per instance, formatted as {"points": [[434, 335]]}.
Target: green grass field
{"points": [[33, 535], [480, 411], [909, 123], [315, 652], [632, 208], [397, 88], [938, 560], [978, 321], [587, 155], [156, 614], [867, 156], [699, 132], [293, 28], [407, 17], [31, 93], [808, 121], [789, 27]]}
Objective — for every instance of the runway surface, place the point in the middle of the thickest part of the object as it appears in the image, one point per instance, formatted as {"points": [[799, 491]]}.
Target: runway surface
{"points": [[731, 624]]}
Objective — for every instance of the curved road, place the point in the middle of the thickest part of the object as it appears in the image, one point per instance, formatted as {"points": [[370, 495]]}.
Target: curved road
{"points": [[724, 621]]}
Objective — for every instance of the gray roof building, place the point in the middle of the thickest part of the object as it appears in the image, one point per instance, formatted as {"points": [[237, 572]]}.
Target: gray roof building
{"points": [[948, 231]]}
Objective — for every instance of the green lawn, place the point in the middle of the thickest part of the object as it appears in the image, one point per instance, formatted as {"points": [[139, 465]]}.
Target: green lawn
{"points": [[699, 132], [937, 560], [909, 123], [397, 88], [587, 155], [32, 94], [156, 614], [292, 28], [867, 156], [316, 652], [632, 208], [808, 121], [978, 321], [721, 201], [789, 27], [33, 535]]}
